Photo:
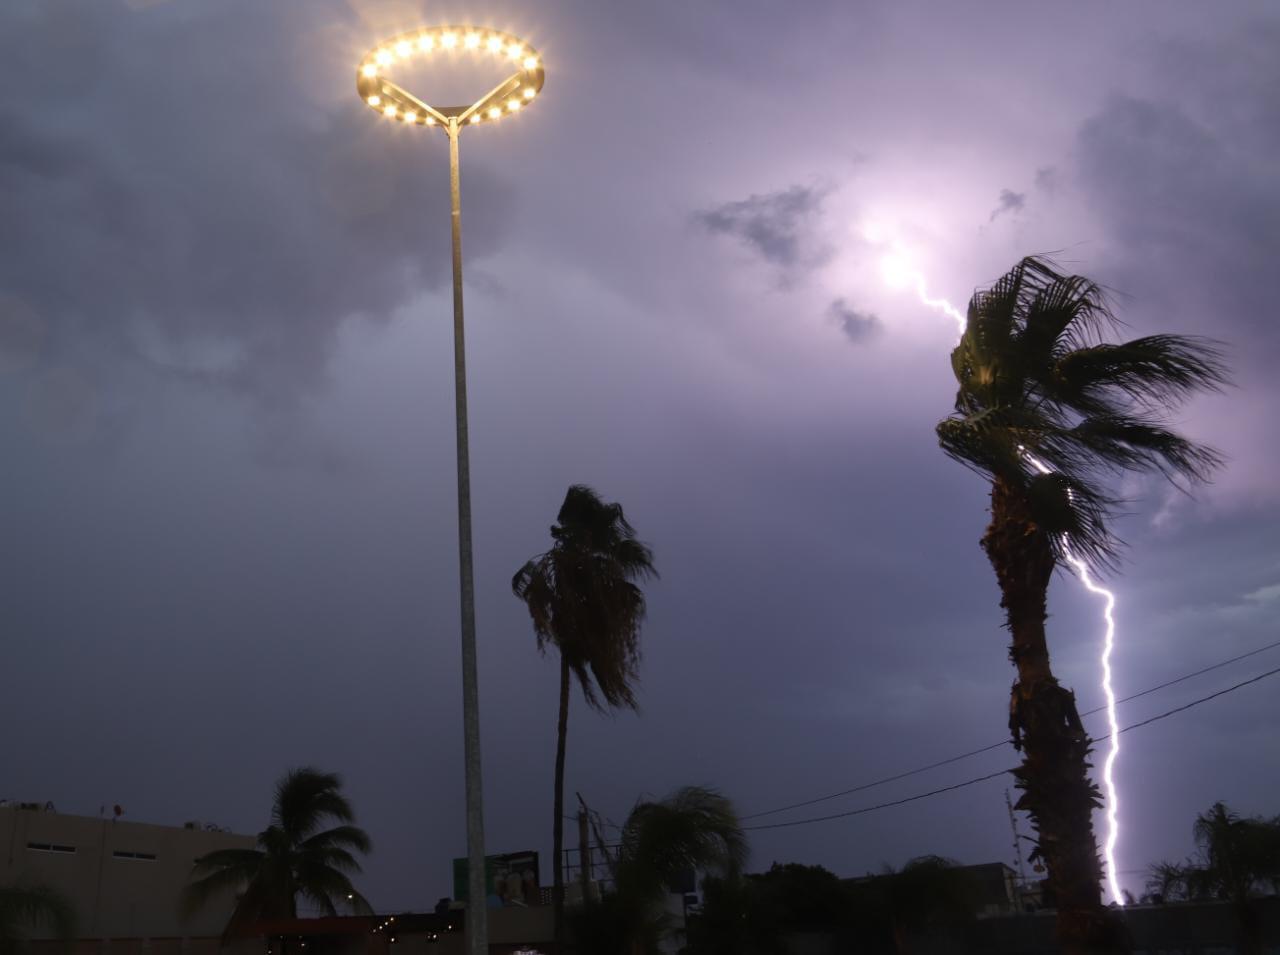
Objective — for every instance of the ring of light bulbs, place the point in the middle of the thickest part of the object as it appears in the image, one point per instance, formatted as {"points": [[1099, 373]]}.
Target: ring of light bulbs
{"points": [[396, 103]]}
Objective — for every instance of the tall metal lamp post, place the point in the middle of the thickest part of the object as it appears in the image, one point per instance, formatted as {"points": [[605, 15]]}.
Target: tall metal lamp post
{"points": [[395, 103]]}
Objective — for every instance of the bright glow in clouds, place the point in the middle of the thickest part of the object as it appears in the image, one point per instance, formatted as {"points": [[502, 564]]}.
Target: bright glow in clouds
{"points": [[899, 272]]}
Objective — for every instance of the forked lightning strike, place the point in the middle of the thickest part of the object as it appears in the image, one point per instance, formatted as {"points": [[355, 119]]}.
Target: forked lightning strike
{"points": [[899, 272]]}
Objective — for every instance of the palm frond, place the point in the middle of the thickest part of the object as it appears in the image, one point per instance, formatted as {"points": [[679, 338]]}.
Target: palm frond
{"points": [[1037, 382], [331, 857], [347, 837], [305, 797], [217, 883], [1156, 372], [30, 906], [694, 828]]}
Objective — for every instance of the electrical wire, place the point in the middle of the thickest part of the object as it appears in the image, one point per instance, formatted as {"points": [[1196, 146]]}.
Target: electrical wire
{"points": [[980, 779], [1004, 742]]}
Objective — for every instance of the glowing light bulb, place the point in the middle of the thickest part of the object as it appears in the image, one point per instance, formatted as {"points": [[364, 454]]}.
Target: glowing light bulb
{"points": [[430, 120], [389, 112], [427, 42], [515, 51], [403, 49], [530, 62], [495, 44], [475, 118], [472, 41], [383, 57], [513, 105], [530, 92], [449, 41], [410, 116], [374, 100], [494, 112], [369, 69]]}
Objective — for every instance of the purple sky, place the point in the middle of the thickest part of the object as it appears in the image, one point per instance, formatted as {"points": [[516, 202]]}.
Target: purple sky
{"points": [[226, 401]]}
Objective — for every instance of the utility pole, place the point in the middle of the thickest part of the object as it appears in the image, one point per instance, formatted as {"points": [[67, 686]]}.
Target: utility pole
{"points": [[584, 855]]}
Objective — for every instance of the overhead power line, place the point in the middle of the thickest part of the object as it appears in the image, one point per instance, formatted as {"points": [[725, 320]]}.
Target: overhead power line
{"points": [[1004, 742], [980, 779]]}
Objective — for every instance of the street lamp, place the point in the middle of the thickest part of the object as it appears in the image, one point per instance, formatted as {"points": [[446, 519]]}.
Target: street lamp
{"points": [[396, 103]]}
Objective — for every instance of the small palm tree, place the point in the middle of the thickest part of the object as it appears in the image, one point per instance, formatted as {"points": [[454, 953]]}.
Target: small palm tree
{"points": [[1039, 389], [1238, 860], [584, 600], [928, 893], [294, 856], [31, 907], [693, 829]]}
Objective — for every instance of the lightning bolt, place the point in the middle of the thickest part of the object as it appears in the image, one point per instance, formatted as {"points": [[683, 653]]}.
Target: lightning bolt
{"points": [[899, 272]]}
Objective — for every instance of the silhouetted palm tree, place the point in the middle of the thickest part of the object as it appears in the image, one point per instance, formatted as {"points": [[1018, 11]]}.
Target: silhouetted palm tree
{"points": [[693, 829], [928, 893], [1038, 385], [295, 857], [1239, 859], [584, 600], [28, 907]]}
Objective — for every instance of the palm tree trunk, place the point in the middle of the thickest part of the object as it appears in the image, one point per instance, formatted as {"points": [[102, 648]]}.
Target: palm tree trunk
{"points": [[557, 839], [1054, 777]]}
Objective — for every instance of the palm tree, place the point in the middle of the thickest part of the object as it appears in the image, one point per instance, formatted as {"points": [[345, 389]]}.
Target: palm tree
{"points": [[294, 857], [584, 600], [1040, 389], [928, 893], [1238, 860], [693, 829], [24, 907]]}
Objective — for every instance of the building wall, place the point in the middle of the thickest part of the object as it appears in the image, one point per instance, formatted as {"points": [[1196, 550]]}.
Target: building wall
{"points": [[124, 878]]}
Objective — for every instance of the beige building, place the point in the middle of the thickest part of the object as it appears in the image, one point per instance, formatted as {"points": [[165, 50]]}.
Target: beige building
{"points": [[124, 878]]}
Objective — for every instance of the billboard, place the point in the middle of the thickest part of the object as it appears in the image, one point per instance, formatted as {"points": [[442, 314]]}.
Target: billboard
{"points": [[510, 879]]}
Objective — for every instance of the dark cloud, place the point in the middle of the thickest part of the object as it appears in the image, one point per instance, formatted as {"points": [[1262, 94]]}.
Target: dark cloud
{"points": [[192, 202], [780, 226], [1175, 193], [1047, 179], [1010, 201], [859, 327], [181, 219]]}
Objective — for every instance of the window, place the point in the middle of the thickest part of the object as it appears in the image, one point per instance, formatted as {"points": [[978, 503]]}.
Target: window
{"points": [[136, 856], [50, 847]]}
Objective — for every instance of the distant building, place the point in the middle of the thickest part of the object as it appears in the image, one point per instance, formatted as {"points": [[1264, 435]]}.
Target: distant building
{"points": [[994, 886], [125, 879]]}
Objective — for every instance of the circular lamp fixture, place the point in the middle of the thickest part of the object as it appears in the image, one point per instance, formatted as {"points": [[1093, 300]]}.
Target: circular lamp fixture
{"points": [[395, 102]]}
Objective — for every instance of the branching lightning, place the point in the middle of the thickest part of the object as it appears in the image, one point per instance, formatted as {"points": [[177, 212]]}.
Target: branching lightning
{"points": [[899, 272]]}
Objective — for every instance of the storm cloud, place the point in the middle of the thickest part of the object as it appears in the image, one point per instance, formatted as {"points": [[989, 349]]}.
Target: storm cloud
{"points": [[208, 244], [1010, 201], [781, 227], [858, 327], [230, 259]]}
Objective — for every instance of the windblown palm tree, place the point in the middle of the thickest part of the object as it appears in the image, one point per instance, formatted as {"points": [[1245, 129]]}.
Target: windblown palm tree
{"points": [[693, 829], [584, 600], [1039, 388], [294, 857], [30, 907], [1239, 860]]}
